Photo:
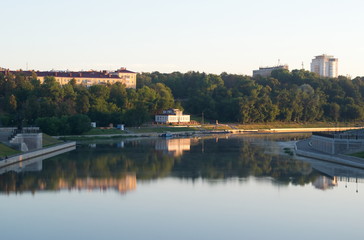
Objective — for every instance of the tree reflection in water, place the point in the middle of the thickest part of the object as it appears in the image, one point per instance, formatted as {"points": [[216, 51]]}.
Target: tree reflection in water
{"points": [[119, 165]]}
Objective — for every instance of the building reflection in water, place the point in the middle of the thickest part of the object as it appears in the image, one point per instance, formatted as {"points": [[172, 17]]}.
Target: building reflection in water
{"points": [[324, 183], [122, 185], [175, 146], [334, 174]]}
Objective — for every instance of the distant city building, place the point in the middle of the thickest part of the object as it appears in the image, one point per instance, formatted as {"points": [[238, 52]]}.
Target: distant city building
{"points": [[87, 78], [325, 66], [172, 116], [266, 71]]}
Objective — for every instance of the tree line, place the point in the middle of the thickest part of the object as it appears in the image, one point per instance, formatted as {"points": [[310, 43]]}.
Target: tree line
{"points": [[289, 96], [61, 109]]}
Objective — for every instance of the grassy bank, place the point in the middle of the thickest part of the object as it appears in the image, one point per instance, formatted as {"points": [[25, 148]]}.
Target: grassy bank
{"points": [[7, 151], [295, 125], [162, 129], [89, 138], [99, 131], [359, 154], [49, 141]]}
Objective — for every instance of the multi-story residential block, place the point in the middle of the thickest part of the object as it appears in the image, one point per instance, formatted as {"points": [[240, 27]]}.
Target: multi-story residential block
{"points": [[325, 66], [267, 71], [87, 78]]}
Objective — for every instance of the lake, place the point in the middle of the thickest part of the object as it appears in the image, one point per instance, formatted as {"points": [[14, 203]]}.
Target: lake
{"points": [[216, 187]]}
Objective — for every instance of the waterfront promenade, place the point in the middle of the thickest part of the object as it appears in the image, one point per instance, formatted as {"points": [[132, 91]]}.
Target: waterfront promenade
{"points": [[209, 131], [304, 148], [47, 151]]}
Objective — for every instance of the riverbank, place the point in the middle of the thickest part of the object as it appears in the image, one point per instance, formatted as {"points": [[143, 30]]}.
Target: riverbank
{"points": [[176, 132], [47, 151], [304, 148]]}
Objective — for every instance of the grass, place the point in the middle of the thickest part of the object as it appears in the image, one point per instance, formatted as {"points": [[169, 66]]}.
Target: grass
{"points": [[7, 151], [294, 125], [222, 126], [359, 154], [86, 138], [162, 129], [49, 141], [99, 131], [216, 127]]}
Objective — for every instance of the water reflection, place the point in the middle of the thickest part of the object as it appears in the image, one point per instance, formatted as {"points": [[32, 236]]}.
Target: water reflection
{"points": [[175, 147], [324, 183], [335, 174], [122, 185], [33, 164], [118, 165]]}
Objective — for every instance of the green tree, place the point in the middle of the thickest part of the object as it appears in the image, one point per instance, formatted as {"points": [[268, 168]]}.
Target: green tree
{"points": [[79, 123]]}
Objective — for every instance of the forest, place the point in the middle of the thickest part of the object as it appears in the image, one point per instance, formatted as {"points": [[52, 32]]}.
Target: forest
{"points": [[287, 96]]}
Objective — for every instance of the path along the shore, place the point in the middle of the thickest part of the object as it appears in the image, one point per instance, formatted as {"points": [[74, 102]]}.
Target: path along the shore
{"points": [[232, 131], [304, 148]]}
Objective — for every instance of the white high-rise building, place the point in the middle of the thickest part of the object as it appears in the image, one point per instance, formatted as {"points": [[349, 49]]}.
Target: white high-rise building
{"points": [[325, 66]]}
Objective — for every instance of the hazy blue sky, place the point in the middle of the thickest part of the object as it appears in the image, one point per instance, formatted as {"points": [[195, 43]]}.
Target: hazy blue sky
{"points": [[167, 35]]}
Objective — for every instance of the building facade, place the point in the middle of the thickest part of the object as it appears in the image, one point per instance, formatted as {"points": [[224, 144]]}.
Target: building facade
{"points": [[172, 116], [87, 78], [325, 66], [267, 71]]}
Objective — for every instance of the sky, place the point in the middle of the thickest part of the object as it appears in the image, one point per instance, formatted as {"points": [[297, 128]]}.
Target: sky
{"points": [[214, 36]]}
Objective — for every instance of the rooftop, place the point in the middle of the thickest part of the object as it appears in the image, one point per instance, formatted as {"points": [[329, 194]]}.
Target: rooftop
{"points": [[67, 74]]}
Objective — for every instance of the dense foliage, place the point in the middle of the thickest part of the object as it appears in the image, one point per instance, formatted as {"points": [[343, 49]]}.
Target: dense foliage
{"points": [[298, 96], [69, 108]]}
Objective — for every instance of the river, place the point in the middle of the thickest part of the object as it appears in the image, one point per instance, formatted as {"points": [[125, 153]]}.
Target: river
{"points": [[216, 187]]}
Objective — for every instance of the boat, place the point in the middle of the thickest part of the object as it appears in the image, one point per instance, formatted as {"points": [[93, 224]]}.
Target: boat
{"points": [[166, 135]]}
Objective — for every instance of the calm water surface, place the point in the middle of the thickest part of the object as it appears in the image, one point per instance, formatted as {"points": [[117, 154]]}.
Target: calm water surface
{"points": [[215, 188]]}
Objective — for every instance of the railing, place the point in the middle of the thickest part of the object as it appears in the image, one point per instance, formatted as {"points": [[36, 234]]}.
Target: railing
{"points": [[324, 134], [339, 135], [23, 131]]}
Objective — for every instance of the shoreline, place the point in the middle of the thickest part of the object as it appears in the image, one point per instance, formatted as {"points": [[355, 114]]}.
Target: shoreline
{"points": [[203, 132], [304, 148], [43, 152]]}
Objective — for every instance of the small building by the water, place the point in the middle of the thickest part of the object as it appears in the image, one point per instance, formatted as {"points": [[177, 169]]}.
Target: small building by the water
{"points": [[172, 115]]}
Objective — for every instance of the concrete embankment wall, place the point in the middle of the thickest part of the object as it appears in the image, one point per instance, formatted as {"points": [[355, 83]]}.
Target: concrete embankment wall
{"points": [[336, 145], [294, 130], [36, 153], [323, 129], [28, 141], [31, 163], [332, 158]]}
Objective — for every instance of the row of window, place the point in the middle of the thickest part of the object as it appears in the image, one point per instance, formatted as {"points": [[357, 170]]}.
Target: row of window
{"points": [[159, 118], [88, 81]]}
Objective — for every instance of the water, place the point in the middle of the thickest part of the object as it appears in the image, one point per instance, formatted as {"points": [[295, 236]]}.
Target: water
{"points": [[215, 188]]}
